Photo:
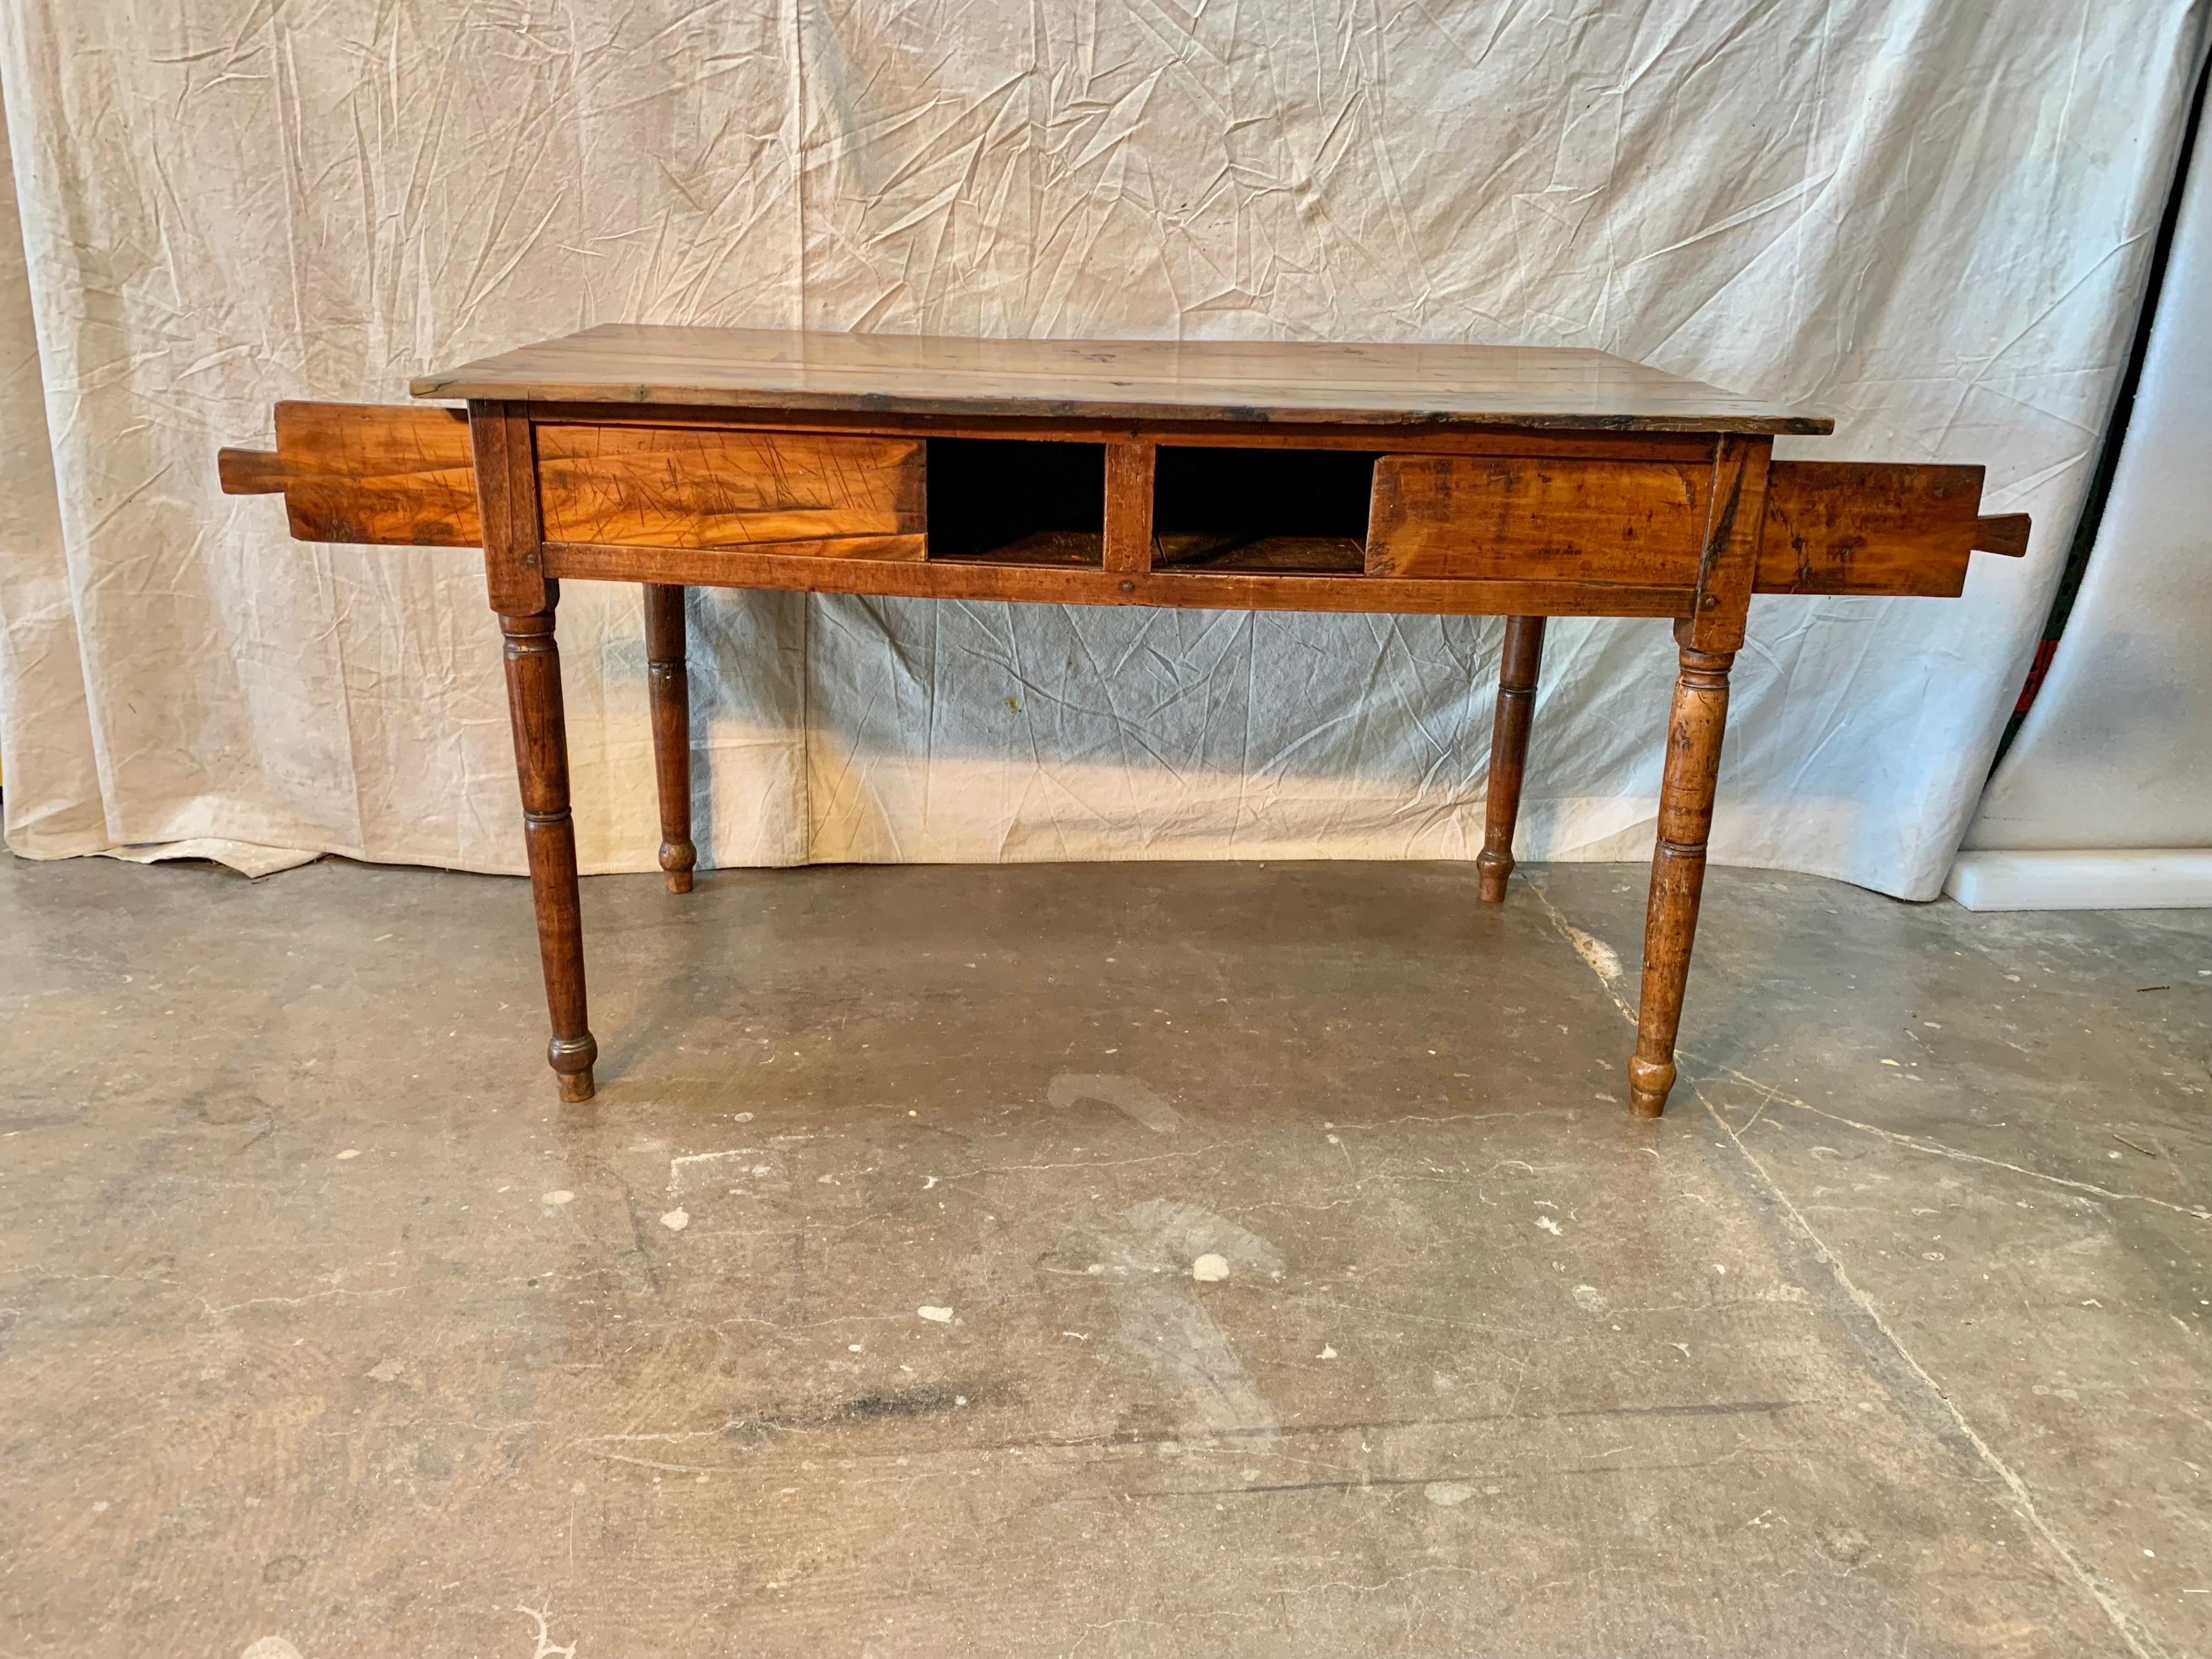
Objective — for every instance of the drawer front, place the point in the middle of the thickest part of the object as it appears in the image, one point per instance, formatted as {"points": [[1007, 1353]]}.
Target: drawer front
{"points": [[766, 492], [1498, 517]]}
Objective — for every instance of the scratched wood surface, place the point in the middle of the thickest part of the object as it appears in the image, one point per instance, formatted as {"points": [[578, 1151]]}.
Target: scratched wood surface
{"points": [[1251, 381], [846, 496], [1489, 518]]}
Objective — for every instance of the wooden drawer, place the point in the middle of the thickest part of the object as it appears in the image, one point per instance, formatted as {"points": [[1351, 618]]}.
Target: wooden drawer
{"points": [[1508, 518], [822, 496]]}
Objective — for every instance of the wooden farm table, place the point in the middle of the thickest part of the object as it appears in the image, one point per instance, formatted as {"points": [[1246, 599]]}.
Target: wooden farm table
{"points": [[1525, 483]]}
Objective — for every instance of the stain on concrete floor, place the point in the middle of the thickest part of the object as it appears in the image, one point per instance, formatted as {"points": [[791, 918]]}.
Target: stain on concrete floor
{"points": [[1102, 1261]]}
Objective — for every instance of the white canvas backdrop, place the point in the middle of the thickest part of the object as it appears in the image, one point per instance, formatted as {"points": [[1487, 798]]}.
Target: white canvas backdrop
{"points": [[1928, 219], [2117, 750]]}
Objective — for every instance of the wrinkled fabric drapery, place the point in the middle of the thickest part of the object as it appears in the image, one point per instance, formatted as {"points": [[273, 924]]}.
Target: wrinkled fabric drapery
{"points": [[1927, 218]]}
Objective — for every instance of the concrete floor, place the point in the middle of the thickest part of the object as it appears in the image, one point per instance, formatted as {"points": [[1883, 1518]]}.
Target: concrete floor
{"points": [[858, 1315]]}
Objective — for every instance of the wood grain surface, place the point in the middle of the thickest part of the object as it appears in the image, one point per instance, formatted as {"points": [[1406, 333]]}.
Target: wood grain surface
{"points": [[1065, 583], [1251, 381], [1488, 519], [848, 497], [1598, 444], [381, 473], [1873, 527], [506, 500], [1127, 540], [1728, 562]]}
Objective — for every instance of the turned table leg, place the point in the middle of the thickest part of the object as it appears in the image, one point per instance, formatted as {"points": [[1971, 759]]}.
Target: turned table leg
{"points": [[1677, 867], [1508, 753], [541, 756], [669, 683]]}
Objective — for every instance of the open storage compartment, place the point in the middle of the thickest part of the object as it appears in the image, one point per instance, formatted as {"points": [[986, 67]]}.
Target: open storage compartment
{"points": [[1016, 500], [1282, 510]]}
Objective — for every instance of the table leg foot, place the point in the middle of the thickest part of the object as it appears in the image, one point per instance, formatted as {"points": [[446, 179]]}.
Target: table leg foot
{"points": [[1649, 1083], [1490, 870], [571, 1059]]}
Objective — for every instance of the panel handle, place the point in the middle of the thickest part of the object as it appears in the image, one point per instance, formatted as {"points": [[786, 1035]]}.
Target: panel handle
{"points": [[2002, 532], [251, 471]]}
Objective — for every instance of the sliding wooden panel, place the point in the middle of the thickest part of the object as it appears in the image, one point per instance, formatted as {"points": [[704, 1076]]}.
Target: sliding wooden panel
{"points": [[1485, 517], [389, 474], [1873, 527], [827, 496]]}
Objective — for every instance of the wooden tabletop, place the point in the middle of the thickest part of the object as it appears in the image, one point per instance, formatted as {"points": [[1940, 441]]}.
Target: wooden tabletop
{"points": [[1243, 381]]}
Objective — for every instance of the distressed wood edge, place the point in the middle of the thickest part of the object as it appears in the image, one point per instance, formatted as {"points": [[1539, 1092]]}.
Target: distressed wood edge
{"points": [[506, 509], [913, 508], [1727, 563], [1386, 499]]}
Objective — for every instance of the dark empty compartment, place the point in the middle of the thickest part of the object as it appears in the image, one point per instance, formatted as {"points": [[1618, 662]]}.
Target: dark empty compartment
{"points": [[1016, 500], [1285, 510]]}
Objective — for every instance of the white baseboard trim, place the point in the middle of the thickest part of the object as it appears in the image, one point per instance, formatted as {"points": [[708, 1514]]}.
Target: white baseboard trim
{"points": [[2119, 879]]}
